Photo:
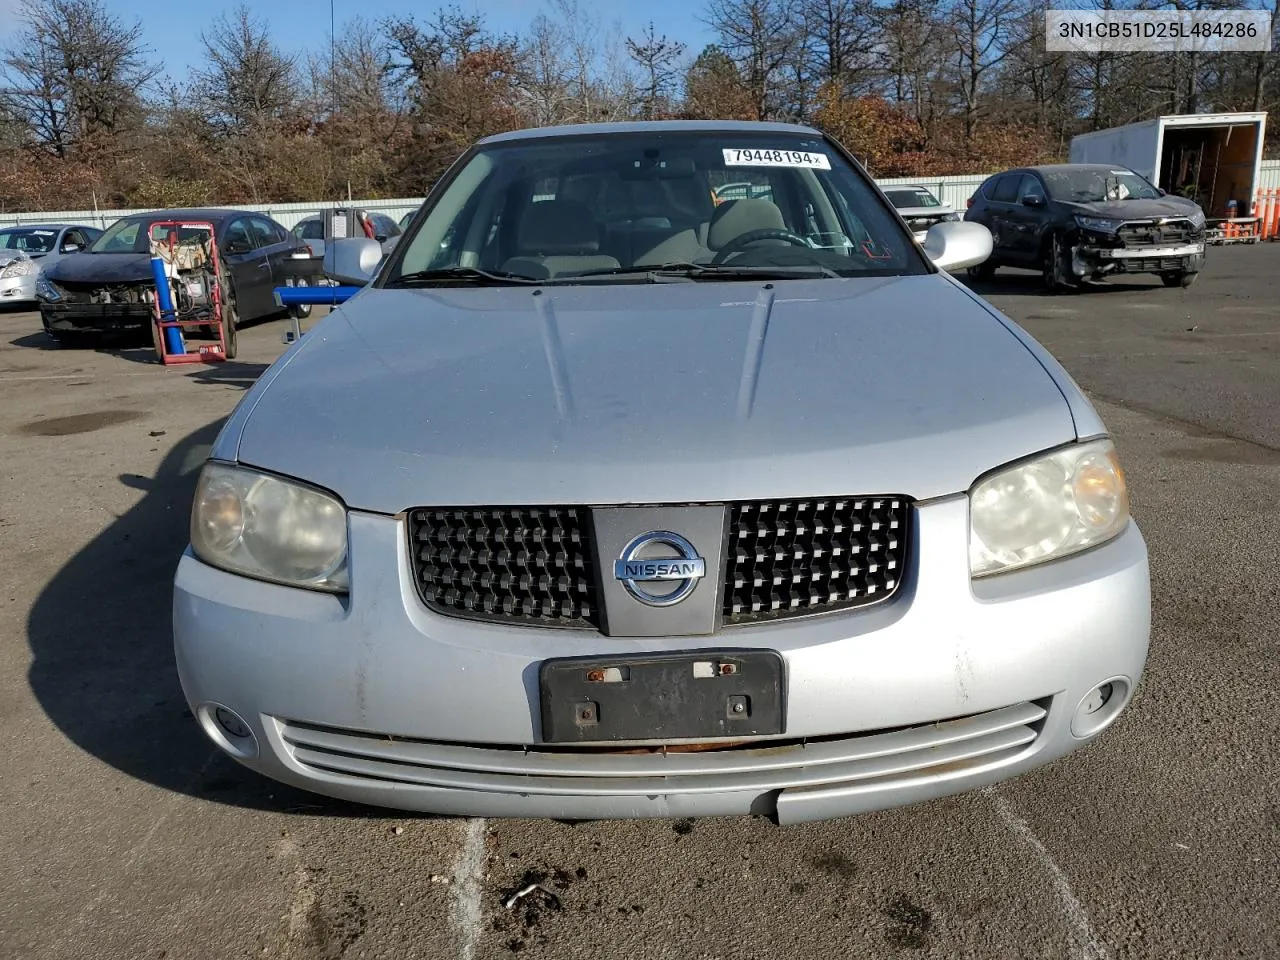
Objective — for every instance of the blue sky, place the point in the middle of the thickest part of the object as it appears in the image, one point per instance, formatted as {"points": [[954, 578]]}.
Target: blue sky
{"points": [[304, 24]]}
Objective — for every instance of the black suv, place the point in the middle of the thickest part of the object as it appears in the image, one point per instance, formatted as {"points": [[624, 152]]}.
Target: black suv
{"points": [[1084, 221]]}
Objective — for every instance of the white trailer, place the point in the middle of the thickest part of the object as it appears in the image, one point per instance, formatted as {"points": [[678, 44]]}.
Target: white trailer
{"points": [[1212, 158]]}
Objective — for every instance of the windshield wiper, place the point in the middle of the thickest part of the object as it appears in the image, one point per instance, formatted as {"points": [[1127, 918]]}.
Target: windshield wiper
{"points": [[709, 271], [474, 275]]}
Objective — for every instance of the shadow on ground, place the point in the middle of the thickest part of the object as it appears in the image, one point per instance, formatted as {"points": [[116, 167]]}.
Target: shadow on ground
{"points": [[1025, 283], [103, 666]]}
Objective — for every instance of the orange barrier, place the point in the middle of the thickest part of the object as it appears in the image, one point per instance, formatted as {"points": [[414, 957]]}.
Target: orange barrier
{"points": [[1266, 208]]}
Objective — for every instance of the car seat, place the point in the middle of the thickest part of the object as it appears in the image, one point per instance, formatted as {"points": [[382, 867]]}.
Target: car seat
{"points": [[733, 218], [557, 237]]}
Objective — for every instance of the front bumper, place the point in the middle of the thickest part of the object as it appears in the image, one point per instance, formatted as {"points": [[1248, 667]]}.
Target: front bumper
{"points": [[1089, 257], [375, 699], [94, 317], [18, 289]]}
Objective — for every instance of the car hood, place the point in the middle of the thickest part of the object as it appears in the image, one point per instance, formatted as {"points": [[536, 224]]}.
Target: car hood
{"points": [[101, 268], [1137, 209], [652, 394]]}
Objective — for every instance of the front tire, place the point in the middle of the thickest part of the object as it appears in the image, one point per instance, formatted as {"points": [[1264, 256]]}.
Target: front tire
{"points": [[1179, 278], [230, 322], [300, 311], [982, 272], [1056, 266]]}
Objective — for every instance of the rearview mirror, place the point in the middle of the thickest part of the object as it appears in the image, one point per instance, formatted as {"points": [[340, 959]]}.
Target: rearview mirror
{"points": [[953, 245], [1033, 200], [352, 261]]}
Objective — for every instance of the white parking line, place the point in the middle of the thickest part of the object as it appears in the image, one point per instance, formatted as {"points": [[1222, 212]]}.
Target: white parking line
{"points": [[467, 914], [1084, 939]]}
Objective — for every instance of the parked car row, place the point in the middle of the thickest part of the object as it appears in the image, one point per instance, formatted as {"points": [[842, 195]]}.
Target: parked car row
{"points": [[107, 287], [25, 251]]}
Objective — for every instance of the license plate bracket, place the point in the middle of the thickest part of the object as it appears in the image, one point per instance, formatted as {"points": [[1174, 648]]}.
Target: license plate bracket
{"points": [[684, 695]]}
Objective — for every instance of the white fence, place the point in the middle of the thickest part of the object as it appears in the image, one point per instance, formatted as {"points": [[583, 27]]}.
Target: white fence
{"points": [[287, 214], [950, 190]]}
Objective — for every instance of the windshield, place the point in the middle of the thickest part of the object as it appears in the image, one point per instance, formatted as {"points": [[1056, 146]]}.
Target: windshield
{"points": [[600, 206], [1095, 184], [135, 236], [912, 197], [123, 236], [33, 241]]}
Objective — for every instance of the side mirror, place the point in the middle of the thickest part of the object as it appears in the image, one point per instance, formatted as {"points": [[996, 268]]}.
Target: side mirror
{"points": [[1162, 192], [953, 245], [1033, 200], [236, 248], [71, 248], [352, 261]]}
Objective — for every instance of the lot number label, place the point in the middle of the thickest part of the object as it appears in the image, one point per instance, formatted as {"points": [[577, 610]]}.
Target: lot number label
{"points": [[757, 157]]}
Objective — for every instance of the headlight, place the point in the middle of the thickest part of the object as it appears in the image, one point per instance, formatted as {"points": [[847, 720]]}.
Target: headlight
{"points": [[951, 217], [18, 268], [1197, 219], [1100, 224], [273, 529], [47, 291], [1047, 507]]}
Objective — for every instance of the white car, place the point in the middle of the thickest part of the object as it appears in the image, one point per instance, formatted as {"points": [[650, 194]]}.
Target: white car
{"points": [[920, 208], [26, 250]]}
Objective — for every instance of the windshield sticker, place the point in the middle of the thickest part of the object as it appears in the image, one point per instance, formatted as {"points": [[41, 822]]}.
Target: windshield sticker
{"points": [[756, 157], [45, 233], [1121, 173]]}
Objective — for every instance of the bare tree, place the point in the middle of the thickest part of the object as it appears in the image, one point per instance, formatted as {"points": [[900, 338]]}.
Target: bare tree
{"points": [[841, 38], [658, 58], [911, 46], [979, 31], [249, 82], [1034, 83], [760, 36], [74, 73]]}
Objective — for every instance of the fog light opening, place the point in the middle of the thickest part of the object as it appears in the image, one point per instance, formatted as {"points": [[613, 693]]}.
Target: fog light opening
{"points": [[1100, 706], [1097, 699], [231, 724], [229, 730]]}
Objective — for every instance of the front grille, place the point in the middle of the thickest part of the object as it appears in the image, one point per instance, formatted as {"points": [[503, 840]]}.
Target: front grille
{"points": [[536, 565], [874, 758], [792, 557], [1150, 264], [1156, 234], [524, 564], [76, 291]]}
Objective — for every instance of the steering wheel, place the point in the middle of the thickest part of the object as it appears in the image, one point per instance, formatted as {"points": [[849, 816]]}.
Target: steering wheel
{"points": [[754, 236]]}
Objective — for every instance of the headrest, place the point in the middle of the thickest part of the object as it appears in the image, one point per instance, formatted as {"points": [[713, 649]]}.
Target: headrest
{"points": [[737, 217], [558, 228]]}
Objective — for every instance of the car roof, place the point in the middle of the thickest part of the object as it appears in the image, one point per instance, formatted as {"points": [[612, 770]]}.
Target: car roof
{"points": [[650, 126], [49, 226], [215, 214], [1063, 167]]}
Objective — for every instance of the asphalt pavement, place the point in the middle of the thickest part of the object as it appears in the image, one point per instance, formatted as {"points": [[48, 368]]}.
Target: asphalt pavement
{"points": [[125, 834]]}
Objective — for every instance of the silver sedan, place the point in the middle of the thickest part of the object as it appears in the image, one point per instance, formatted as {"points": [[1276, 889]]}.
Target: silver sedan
{"points": [[605, 500], [26, 250]]}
